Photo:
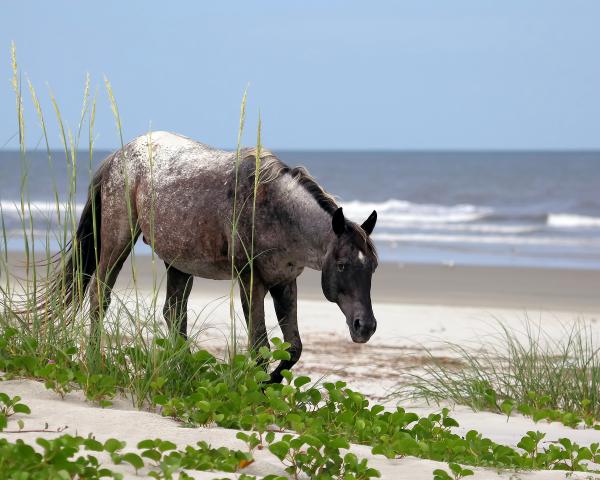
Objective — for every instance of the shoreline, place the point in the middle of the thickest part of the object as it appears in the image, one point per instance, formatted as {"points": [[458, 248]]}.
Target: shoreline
{"points": [[522, 288], [478, 286]]}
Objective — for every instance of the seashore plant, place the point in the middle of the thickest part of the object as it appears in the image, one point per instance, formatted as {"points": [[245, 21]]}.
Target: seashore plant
{"points": [[9, 406], [310, 430], [556, 380], [68, 457], [456, 472]]}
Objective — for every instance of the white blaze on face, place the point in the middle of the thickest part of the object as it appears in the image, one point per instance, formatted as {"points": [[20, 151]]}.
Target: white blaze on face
{"points": [[361, 257]]}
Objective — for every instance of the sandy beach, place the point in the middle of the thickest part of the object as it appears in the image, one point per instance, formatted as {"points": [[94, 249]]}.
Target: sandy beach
{"points": [[418, 308], [521, 288]]}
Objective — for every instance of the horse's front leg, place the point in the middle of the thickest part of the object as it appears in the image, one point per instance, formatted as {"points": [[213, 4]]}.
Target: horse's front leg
{"points": [[179, 286], [285, 299], [253, 304]]}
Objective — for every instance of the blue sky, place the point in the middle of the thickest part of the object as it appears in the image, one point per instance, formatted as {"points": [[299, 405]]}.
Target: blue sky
{"points": [[477, 74]]}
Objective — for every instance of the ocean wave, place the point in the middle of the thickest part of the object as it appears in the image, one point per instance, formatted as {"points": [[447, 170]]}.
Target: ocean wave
{"points": [[392, 214], [400, 211], [395, 213], [565, 220], [13, 209], [483, 228], [488, 239]]}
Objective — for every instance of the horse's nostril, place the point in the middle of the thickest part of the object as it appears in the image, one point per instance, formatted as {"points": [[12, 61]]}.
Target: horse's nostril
{"points": [[356, 324]]}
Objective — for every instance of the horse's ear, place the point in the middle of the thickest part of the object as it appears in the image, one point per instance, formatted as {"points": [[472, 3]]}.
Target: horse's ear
{"points": [[369, 223], [338, 222]]}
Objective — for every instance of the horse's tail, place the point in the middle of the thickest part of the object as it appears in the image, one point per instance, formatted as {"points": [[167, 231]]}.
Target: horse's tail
{"points": [[64, 291]]}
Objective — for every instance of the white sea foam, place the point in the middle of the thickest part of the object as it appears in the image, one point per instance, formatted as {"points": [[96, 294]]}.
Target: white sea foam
{"points": [[458, 227], [392, 213], [564, 220], [488, 239], [400, 211], [13, 207]]}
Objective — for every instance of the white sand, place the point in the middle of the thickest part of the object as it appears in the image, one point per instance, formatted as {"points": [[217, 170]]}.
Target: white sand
{"points": [[132, 426], [373, 368], [397, 347]]}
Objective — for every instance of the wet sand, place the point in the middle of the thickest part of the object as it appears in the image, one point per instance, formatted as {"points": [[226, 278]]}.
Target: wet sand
{"points": [[503, 287]]}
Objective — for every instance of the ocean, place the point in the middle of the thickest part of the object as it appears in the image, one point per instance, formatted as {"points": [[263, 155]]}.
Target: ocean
{"points": [[535, 209]]}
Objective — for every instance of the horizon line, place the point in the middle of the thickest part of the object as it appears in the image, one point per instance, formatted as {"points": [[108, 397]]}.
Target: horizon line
{"points": [[353, 150]]}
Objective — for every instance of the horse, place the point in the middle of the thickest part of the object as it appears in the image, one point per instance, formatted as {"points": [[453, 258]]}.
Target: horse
{"points": [[184, 197]]}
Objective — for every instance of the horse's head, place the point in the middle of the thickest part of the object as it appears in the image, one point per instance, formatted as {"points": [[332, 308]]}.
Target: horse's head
{"points": [[346, 275]]}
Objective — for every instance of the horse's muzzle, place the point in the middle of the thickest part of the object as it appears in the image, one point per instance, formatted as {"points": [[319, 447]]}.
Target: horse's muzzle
{"points": [[361, 330]]}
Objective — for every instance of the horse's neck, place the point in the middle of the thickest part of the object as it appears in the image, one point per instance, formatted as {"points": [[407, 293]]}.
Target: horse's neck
{"points": [[311, 230]]}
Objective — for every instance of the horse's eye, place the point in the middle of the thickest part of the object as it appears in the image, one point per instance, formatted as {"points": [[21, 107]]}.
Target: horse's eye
{"points": [[340, 266]]}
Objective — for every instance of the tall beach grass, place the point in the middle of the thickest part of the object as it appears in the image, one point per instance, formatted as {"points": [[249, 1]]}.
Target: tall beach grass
{"points": [[134, 348], [528, 368]]}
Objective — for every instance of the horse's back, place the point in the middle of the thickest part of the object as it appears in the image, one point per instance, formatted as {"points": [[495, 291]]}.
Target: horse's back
{"points": [[169, 153], [181, 192]]}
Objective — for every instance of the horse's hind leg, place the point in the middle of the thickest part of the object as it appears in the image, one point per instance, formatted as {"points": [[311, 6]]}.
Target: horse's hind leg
{"points": [[179, 286], [113, 253]]}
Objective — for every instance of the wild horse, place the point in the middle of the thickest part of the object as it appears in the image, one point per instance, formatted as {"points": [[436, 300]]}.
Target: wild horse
{"points": [[180, 195]]}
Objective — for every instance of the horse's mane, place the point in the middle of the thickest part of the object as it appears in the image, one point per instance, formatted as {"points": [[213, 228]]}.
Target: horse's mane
{"points": [[272, 168]]}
